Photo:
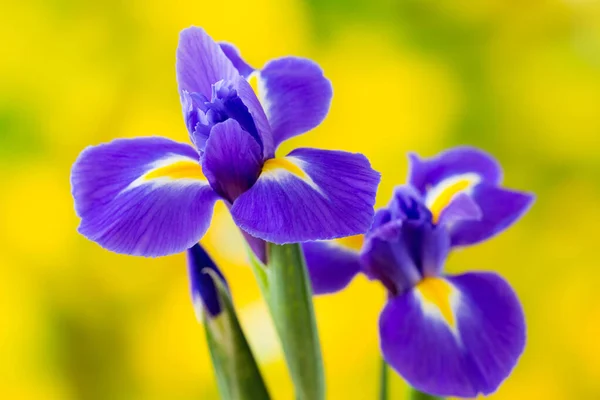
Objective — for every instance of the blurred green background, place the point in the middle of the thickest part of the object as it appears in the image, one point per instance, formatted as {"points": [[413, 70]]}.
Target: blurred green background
{"points": [[520, 79]]}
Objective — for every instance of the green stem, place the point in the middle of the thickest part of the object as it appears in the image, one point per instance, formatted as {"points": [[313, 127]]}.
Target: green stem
{"points": [[384, 389], [286, 287], [384, 381], [416, 395]]}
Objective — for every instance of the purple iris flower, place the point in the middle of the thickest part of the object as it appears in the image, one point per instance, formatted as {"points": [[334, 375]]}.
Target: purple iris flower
{"points": [[446, 335], [153, 196]]}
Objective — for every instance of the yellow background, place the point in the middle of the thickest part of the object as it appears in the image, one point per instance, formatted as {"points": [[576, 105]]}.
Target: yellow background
{"points": [[520, 79]]}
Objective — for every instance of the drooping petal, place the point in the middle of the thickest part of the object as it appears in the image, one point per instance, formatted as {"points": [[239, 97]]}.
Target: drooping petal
{"points": [[441, 178], [500, 208], [295, 95], [232, 159], [234, 56], [145, 196], [331, 266], [309, 195], [202, 272], [458, 336], [201, 62]]}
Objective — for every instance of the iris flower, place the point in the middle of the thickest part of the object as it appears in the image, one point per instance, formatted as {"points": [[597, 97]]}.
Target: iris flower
{"points": [[447, 335], [152, 196]]}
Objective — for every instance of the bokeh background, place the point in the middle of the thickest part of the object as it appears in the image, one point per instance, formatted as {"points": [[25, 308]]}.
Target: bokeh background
{"points": [[520, 79]]}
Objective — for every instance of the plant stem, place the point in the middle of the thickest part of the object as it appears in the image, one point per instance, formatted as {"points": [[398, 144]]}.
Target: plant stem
{"points": [[384, 381]]}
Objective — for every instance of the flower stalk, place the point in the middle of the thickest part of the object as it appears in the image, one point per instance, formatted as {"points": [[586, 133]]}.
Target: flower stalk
{"points": [[237, 373], [286, 288]]}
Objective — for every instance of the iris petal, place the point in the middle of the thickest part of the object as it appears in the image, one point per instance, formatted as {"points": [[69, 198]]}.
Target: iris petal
{"points": [[232, 159], [234, 56], [201, 62], [145, 196], [295, 95], [458, 336], [202, 271], [469, 163], [500, 208], [331, 266], [332, 196]]}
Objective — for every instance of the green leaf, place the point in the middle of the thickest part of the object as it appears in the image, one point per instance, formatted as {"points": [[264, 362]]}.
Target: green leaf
{"points": [[238, 376], [286, 287]]}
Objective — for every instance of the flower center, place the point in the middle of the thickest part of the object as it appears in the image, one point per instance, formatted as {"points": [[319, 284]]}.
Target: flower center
{"points": [[202, 114]]}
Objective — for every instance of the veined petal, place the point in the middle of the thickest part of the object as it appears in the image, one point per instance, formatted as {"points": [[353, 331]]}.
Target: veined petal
{"points": [[441, 178], [144, 196], [500, 208], [295, 95], [202, 272], [331, 266], [234, 56], [458, 336], [201, 62], [309, 195], [232, 159]]}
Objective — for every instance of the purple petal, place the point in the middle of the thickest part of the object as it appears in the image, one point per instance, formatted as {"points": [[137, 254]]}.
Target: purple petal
{"points": [[440, 179], [144, 196], [201, 62], [429, 172], [331, 266], [295, 95], [500, 208], [387, 257], [461, 208], [459, 336], [234, 56], [202, 272], [246, 93], [435, 246], [309, 195], [232, 160]]}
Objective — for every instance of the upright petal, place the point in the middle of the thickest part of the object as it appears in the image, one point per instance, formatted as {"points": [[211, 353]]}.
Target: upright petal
{"points": [[309, 195], [232, 160], [202, 272], [331, 266], [500, 208], [295, 95], [234, 56], [246, 93], [201, 62], [461, 208], [144, 196], [459, 336], [387, 257]]}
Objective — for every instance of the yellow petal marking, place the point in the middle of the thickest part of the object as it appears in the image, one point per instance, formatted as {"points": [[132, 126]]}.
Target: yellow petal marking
{"points": [[275, 164], [445, 197], [437, 292], [177, 170]]}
